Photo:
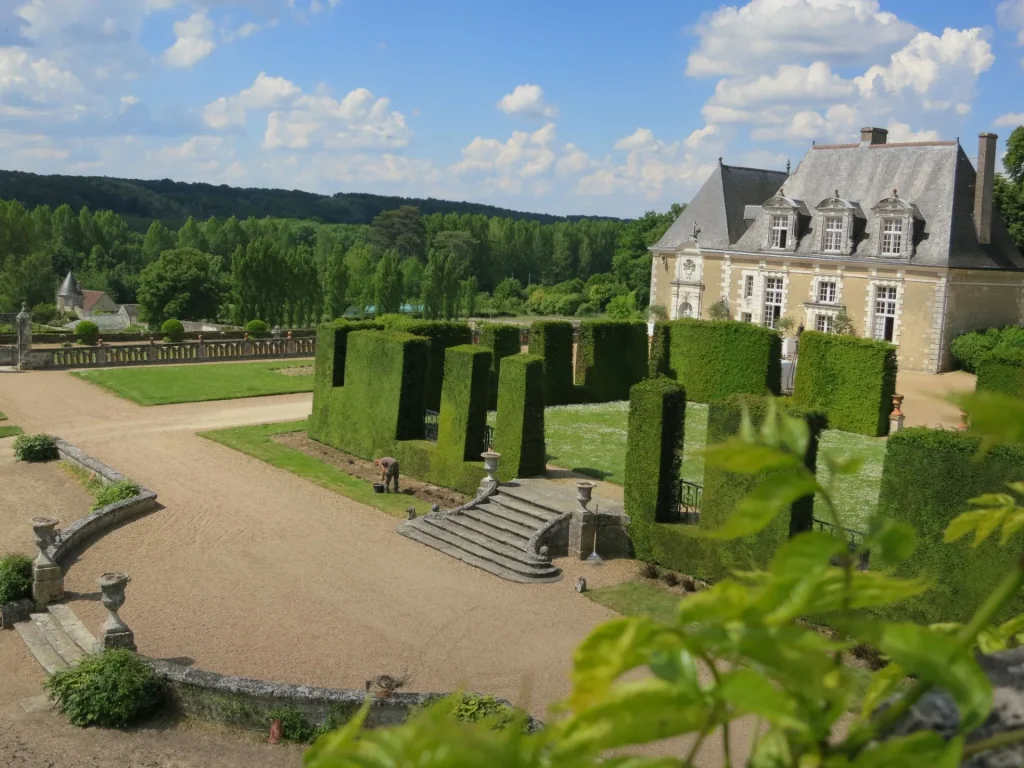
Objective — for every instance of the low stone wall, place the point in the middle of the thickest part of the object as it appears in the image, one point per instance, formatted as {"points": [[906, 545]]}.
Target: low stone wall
{"points": [[554, 536], [612, 535]]}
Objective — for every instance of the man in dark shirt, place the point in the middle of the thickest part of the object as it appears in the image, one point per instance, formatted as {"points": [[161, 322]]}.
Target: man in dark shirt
{"points": [[388, 472]]}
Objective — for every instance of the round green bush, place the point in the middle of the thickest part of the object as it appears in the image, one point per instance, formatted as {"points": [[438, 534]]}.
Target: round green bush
{"points": [[15, 578], [968, 348], [258, 329], [172, 330], [87, 332], [113, 689], [33, 448]]}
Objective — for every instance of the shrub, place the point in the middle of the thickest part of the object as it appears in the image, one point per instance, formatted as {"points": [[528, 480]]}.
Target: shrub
{"points": [[927, 479], [113, 689], [552, 340], [851, 379], [968, 348], [1002, 370], [44, 313], [719, 310], [656, 312], [295, 726], [257, 329], [658, 361], [622, 307], [503, 341], [115, 492], [442, 334], [649, 570], [463, 414], [715, 359], [87, 332], [172, 330], [519, 427], [654, 444], [474, 708], [329, 368], [586, 309], [15, 578], [33, 448], [610, 358]]}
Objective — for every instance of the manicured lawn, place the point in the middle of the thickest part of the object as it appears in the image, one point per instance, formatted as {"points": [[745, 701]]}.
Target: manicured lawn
{"points": [[7, 430], [257, 441], [165, 384], [637, 598]]}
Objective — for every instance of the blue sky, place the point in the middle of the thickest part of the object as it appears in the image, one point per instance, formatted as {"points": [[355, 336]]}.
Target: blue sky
{"points": [[564, 107]]}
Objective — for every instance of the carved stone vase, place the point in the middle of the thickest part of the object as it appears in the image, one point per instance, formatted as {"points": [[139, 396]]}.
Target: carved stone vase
{"points": [[47, 576], [114, 632]]}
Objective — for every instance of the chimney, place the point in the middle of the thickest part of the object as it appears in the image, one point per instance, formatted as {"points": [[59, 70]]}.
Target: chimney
{"points": [[983, 186], [873, 135]]}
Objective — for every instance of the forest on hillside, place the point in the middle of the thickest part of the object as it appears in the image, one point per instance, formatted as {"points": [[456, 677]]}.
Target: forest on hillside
{"points": [[301, 272]]}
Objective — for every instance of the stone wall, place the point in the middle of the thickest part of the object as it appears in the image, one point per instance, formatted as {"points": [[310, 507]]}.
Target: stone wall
{"points": [[612, 535]]}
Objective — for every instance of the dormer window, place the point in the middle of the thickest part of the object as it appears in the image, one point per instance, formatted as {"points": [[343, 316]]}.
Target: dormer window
{"points": [[895, 226], [780, 231], [833, 234], [781, 222], [836, 222], [892, 237]]}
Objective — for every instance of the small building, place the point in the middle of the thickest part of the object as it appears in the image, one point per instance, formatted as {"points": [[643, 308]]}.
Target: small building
{"points": [[902, 239], [69, 295], [98, 303]]}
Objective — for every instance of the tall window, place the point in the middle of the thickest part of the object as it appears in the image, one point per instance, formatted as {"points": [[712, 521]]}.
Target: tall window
{"points": [[823, 323], [892, 237], [748, 286], [772, 301], [746, 317], [885, 312], [833, 234], [780, 231], [826, 291]]}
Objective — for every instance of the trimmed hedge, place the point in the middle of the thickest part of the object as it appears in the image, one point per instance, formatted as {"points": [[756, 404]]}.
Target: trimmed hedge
{"points": [[654, 445], [714, 560], [173, 330], [519, 428], [463, 417], [927, 478], [610, 358], [329, 367], [714, 359], [1002, 370], [660, 350], [851, 379], [87, 333], [503, 341], [442, 334], [552, 340]]}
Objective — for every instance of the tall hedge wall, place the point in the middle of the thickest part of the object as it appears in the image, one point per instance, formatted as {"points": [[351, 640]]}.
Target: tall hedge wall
{"points": [[722, 490], [503, 341], [658, 362], [460, 431], [442, 334], [927, 478], [851, 379], [610, 358], [654, 445], [329, 365], [714, 359], [1002, 370], [519, 428], [552, 340]]}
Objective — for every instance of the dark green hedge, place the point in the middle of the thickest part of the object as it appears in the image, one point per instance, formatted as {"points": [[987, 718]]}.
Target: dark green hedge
{"points": [[329, 366], [658, 362], [460, 431], [927, 478], [851, 379], [714, 359], [654, 445], [722, 490], [503, 341], [610, 358], [442, 334], [1002, 370], [552, 340], [519, 428]]}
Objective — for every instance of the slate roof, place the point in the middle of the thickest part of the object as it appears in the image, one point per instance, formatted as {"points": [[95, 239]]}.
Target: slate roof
{"points": [[69, 287], [106, 323]]}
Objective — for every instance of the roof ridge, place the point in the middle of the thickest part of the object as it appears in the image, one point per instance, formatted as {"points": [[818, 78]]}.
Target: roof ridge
{"points": [[751, 168], [890, 145]]}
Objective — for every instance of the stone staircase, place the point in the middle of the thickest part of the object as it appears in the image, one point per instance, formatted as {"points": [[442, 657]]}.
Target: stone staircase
{"points": [[492, 535], [56, 637]]}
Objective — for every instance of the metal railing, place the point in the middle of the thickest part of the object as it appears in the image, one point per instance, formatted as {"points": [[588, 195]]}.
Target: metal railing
{"points": [[853, 540], [430, 425], [488, 437], [688, 500]]}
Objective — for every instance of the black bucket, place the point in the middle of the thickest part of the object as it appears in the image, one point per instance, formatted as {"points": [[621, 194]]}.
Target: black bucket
{"points": [[378, 487]]}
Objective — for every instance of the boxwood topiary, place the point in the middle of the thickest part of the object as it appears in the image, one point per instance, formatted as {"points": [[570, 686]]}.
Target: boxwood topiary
{"points": [[503, 341], [519, 427], [552, 340], [258, 329], [968, 348], [610, 358], [87, 332], [114, 689], [173, 330], [714, 359], [33, 448], [15, 578], [1002, 370]]}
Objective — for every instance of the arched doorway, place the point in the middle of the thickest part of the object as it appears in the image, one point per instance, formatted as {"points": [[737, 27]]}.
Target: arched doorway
{"points": [[685, 310]]}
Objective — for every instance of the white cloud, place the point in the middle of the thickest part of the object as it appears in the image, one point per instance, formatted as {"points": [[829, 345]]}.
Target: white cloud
{"points": [[790, 83], [248, 29], [700, 136], [900, 132], [38, 79], [194, 41], [640, 138], [573, 161], [527, 100], [265, 93], [1011, 120], [524, 155], [360, 119], [129, 100], [1010, 14]]}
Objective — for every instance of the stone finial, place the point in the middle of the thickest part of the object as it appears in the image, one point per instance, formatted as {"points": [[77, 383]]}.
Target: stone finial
{"points": [[544, 552], [99, 342], [199, 338], [289, 334], [435, 507], [410, 513], [581, 585], [584, 489], [47, 576], [115, 633], [246, 337], [896, 417]]}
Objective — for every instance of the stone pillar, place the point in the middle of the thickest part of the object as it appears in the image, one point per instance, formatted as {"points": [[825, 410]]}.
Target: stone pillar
{"points": [[896, 417], [200, 348], [583, 523], [115, 633], [247, 346], [47, 576], [24, 325], [151, 352]]}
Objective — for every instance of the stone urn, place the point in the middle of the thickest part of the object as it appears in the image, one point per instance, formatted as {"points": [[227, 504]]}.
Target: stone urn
{"points": [[47, 576], [490, 466], [584, 488], [115, 633], [43, 528]]}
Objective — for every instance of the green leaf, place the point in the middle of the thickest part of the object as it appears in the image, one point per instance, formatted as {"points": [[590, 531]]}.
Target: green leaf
{"points": [[963, 524], [925, 749], [726, 600], [759, 507], [320, 754], [796, 434], [676, 667], [734, 455], [992, 500], [892, 543], [995, 417], [772, 751], [1013, 523], [934, 657], [883, 683], [844, 466], [770, 424], [805, 551], [749, 692]]}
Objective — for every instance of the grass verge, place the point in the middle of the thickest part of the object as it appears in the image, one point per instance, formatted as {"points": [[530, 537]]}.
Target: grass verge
{"points": [[195, 382], [9, 431], [257, 441]]}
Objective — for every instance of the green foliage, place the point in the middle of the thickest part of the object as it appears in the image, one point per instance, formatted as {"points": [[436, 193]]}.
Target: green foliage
{"points": [[715, 359], [968, 348], [1002, 370], [851, 379], [719, 310], [295, 726], [503, 341], [181, 283], [173, 330], [927, 480], [15, 578], [552, 340], [654, 445], [111, 690], [474, 708], [656, 312], [658, 361], [622, 307], [44, 313], [389, 289], [33, 448], [611, 357], [442, 335], [842, 325], [463, 414], [257, 329], [87, 332], [519, 427], [115, 492]]}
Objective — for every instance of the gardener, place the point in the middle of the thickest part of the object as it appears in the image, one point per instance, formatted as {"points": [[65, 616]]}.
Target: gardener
{"points": [[388, 472]]}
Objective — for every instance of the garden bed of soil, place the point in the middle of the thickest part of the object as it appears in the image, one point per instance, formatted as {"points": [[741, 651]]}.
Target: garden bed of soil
{"points": [[296, 370], [365, 470]]}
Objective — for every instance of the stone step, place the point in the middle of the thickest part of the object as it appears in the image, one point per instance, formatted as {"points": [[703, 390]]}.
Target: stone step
{"points": [[73, 628], [512, 561], [495, 507], [499, 517], [58, 638], [451, 526], [485, 564], [40, 647], [547, 506], [513, 539], [524, 507]]}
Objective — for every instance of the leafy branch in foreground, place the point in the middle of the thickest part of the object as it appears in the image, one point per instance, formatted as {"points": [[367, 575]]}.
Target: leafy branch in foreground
{"points": [[741, 649]]}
